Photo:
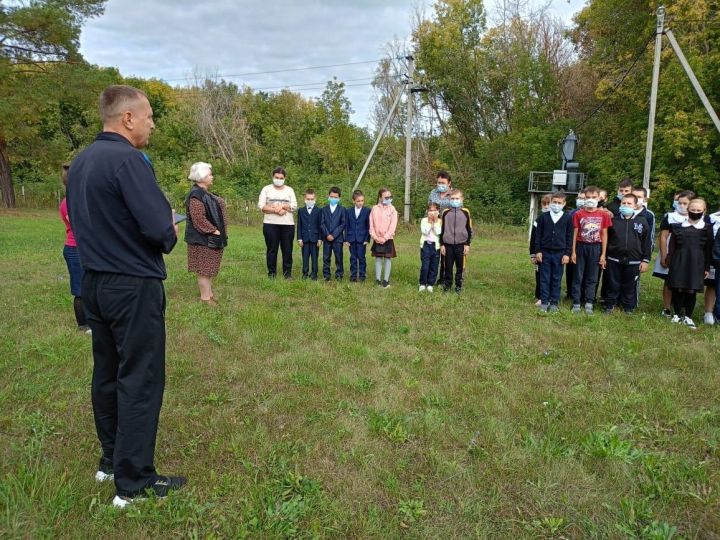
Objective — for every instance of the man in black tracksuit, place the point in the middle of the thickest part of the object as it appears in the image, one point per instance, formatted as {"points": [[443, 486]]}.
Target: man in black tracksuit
{"points": [[123, 224], [628, 254], [455, 237]]}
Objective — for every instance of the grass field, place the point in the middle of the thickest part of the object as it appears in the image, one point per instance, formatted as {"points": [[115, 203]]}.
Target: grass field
{"points": [[313, 410]]}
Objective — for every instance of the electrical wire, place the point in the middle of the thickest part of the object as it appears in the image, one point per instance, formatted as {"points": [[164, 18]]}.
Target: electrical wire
{"points": [[248, 74], [618, 84]]}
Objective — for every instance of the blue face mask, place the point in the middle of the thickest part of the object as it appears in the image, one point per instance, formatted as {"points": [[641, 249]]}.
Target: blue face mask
{"points": [[442, 188], [675, 205], [333, 201], [388, 201], [626, 211], [456, 204], [580, 203], [619, 195], [556, 208]]}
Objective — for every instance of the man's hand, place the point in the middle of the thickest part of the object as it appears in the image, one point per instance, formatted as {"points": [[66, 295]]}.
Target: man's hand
{"points": [[644, 267], [347, 244], [442, 250], [330, 237], [300, 242], [565, 259], [538, 258], [466, 250]]}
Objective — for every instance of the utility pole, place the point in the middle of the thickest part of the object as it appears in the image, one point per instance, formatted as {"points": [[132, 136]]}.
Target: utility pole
{"points": [[660, 28], [408, 136]]}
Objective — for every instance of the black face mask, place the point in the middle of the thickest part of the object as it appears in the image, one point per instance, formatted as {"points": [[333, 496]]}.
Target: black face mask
{"points": [[601, 203], [695, 215]]}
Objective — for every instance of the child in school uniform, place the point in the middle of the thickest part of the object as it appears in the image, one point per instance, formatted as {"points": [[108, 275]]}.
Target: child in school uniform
{"points": [[628, 255], [588, 251], [383, 223], [553, 247], [681, 200], [711, 296], [308, 235], [430, 230], [570, 267], [689, 260], [357, 235], [716, 263], [455, 236], [544, 207], [332, 228]]}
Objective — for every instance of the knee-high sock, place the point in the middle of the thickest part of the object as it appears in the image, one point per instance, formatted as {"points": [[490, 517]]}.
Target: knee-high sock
{"points": [[388, 267], [378, 268]]}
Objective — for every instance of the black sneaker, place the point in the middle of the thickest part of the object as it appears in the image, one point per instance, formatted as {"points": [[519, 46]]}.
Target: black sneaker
{"points": [[386, 284], [160, 488], [666, 313], [377, 282], [105, 471]]}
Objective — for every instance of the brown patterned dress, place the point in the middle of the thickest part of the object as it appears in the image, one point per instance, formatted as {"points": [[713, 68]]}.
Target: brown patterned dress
{"points": [[201, 259]]}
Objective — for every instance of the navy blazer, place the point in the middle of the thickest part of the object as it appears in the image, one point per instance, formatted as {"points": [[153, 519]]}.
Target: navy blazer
{"points": [[308, 228], [332, 223], [357, 229]]}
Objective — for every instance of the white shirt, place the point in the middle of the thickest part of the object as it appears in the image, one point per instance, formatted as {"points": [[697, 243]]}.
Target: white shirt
{"points": [[357, 212], [333, 207], [556, 217]]}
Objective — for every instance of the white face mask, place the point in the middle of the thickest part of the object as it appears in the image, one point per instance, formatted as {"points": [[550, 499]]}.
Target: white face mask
{"points": [[278, 181], [591, 203], [310, 204]]}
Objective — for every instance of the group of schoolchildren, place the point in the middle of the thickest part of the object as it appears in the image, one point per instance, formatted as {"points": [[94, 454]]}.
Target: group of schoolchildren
{"points": [[607, 247], [445, 236]]}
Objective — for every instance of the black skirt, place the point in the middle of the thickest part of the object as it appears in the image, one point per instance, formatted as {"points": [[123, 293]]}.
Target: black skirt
{"points": [[386, 250], [689, 251]]}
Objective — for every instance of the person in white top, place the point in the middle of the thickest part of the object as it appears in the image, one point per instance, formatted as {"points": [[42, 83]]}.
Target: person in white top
{"points": [[277, 201]]}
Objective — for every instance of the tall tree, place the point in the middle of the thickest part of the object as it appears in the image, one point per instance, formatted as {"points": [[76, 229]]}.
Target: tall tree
{"points": [[34, 35]]}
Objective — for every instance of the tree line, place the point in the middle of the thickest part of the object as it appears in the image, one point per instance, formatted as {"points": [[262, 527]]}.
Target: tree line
{"points": [[500, 89]]}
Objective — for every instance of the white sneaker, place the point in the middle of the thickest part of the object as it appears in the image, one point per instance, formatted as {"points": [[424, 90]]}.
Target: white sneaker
{"points": [[422, 288], [709, 318], [690, 323], [101, 476], [429, 288], [676, 319]]}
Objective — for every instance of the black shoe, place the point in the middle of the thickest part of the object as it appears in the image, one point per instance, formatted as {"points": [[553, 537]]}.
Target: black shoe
{"points": [[386, 284], [362, 279], [314, 278], [353, 279], [458, 290], [338, 278], [105, 471], [377, 282], [160, 488], [271, 276], [287, 276], [327, 278]]}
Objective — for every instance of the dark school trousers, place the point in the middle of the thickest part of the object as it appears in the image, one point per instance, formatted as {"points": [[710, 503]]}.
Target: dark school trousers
{"points": [[330, 248], [429, 258], [717, 294], [551, 272], [587, 267], [127, 317], [279, 236], [358, 263], [310, 259], [621, 284], [454, 255]]}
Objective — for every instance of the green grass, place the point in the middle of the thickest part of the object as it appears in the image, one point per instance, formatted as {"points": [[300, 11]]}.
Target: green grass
{"points": [[313, 410]]}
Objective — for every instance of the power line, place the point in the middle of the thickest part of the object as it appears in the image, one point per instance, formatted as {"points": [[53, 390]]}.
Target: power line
{"points": [[617, 85], [313, 83], [281, 70]]}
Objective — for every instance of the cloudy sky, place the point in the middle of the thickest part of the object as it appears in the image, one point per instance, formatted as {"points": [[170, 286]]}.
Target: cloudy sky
{"points": [[242, 40]]}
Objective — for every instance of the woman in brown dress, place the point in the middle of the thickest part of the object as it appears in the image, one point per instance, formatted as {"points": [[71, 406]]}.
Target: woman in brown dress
{"points": [[206, 230]]}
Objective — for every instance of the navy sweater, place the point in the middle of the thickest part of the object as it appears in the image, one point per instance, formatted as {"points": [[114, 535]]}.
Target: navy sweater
{"points": [[556, 237], [121, 220]]}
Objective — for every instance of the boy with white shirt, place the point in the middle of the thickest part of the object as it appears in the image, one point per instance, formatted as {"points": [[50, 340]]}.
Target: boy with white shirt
{"points": [[308, 235], [553, 246]]}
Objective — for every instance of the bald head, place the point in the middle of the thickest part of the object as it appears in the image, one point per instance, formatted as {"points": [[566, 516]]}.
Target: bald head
{"points": [[126, 110]]}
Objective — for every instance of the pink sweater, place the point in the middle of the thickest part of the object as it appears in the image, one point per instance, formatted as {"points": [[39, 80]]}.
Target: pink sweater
{"points": [[383, 221]]}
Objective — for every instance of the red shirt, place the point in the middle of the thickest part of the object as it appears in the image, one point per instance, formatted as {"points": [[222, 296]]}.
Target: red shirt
{"points": [[591, 224], [69, 236]]}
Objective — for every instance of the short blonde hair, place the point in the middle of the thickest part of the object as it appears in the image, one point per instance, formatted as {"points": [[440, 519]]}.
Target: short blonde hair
{"points": [[116, 99], [198, 171]]}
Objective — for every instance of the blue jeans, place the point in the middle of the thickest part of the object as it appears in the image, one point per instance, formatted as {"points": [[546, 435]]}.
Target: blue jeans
{"points": [[429, 258], [358, 264], [587, 268], [551, 272]]}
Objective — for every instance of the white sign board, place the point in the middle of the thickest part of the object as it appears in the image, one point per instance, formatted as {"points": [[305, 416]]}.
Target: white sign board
{"points": [[559, 178]]}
